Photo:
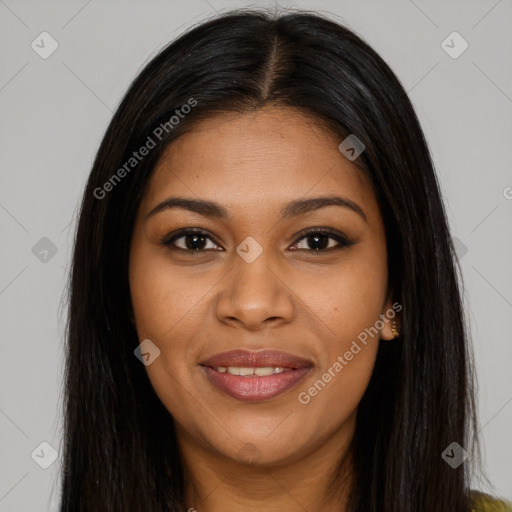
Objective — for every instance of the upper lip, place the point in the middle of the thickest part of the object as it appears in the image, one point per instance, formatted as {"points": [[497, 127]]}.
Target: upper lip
{"points": [[260, 359]]}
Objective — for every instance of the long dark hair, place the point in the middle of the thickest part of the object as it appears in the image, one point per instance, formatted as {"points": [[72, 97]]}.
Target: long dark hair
{"points": [[120, 450]]}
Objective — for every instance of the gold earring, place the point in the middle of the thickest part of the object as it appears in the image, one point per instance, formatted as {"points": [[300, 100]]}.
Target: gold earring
{"points": [[395, 329]]}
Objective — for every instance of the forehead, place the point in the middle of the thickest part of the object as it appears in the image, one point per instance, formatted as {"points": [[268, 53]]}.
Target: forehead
{"points": [[269, 156]]}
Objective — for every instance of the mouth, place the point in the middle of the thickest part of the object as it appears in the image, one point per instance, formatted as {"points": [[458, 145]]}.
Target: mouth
{"points": [[255, 376]]}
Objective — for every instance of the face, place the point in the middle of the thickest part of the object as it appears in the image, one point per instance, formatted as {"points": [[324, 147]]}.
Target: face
{"points": [[263, 269]]}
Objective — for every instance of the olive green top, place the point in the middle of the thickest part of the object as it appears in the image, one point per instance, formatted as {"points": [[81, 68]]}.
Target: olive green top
{"points": [[485, 503]]}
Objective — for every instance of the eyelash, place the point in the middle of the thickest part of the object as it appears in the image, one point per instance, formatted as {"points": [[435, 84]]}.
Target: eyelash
{"points": [[343, 242]]}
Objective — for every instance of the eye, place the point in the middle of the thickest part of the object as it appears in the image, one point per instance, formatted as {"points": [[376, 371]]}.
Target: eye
{"points": [[316, 239], [320, 240], [191, 240]]}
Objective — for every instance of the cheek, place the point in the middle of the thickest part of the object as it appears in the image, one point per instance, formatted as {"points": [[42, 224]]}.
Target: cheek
{"points": [[165, 300], [167, 312], [350, 307], [346, 298], [348, 304]]}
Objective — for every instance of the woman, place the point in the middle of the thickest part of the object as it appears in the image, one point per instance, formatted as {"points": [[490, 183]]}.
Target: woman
{"points": [[264, 309]]}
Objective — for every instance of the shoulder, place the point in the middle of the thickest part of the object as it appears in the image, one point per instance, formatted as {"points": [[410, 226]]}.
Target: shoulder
{"points": [[482, 502]]}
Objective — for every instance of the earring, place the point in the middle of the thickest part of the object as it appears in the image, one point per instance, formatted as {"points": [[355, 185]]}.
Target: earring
{"points": [[395, 329]]}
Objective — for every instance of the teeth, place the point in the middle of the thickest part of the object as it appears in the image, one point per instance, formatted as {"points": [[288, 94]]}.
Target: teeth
{"points": [[246, 372], [262, 372]]}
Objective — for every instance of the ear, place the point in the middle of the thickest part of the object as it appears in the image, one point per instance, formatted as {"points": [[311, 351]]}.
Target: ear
{"points": [[390, 314]]}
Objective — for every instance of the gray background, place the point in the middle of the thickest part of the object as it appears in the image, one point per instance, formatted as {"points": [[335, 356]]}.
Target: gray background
{"points": [[54, 112]]}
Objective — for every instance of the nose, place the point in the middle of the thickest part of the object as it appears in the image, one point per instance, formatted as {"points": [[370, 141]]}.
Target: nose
{"points": [[254, 295]]}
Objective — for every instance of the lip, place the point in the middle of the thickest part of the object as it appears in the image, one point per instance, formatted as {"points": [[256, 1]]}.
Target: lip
{"points": [[255, 388], [259, 359]]}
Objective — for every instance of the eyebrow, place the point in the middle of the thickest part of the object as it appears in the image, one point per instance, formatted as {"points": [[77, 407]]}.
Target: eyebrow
{"points": [[291, 209]]}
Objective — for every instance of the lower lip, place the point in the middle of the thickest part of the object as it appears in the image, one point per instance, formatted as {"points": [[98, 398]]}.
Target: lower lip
{"points": [[254, 389]]}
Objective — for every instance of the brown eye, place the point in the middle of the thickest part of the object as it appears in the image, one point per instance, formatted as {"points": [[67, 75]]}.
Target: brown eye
{"points": [[322, 240], [315, 240], [190, 240]]}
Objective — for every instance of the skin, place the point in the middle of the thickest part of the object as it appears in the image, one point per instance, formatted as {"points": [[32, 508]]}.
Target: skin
{"points": [[193, 305]]}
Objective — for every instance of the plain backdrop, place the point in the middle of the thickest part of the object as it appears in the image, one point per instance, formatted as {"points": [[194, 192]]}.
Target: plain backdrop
{"points": [[54, 112]]}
